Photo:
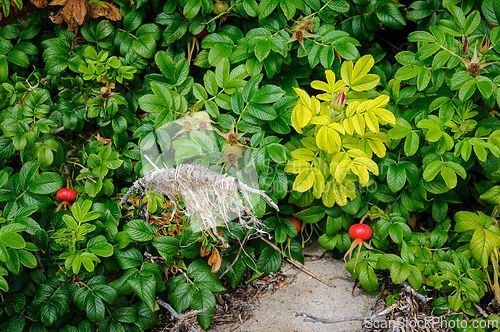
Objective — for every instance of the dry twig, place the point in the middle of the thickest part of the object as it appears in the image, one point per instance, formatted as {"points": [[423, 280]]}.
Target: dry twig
{"points": [[297, 264]]}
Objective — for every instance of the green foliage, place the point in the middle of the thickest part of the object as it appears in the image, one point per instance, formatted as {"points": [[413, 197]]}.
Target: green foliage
{"points": [[332, 122]]}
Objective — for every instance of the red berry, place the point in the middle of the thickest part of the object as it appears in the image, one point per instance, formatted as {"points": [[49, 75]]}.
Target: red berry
{"points": [[201, 35], [360, 231], [66, 195], [296, 222]]}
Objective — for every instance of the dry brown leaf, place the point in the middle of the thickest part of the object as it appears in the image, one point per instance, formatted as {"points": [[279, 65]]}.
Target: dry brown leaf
{"points": [[215, 260], [104, 140], [58, 2], [75, 9], [39, 3], [111, 12], [56, 18]]}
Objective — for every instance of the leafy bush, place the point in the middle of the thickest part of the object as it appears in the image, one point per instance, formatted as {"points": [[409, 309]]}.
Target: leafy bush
{"points": [[407, 142]]}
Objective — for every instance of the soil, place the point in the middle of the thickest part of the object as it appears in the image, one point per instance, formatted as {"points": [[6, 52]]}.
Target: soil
{"points": [[275, 310]]}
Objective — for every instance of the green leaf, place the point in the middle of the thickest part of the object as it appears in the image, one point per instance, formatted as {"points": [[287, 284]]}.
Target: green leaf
{"points": [[125, 315], [132, 20], [128, 258], [485, 86], [145, 288], [412, 143], [262, 48], [491, 11], [262, 111], [4, 68], [415, 278], [439, 209], [181, 296], [94, 307], [311, 215], [106, 293], [145, 46], [191, 8], [166, 244], [269, 261], [492, 196], [367, 277], [396, 177], [467, 90], [328, 242], [236, 272], [438, 238], [391, 17], [400, 272], [13, 240], [339, 6], [46, 183], [266, 7], [432, 170], [268, 94], [482, 244], [424, 36], [139, 230], [277, 152], [19, 58]]}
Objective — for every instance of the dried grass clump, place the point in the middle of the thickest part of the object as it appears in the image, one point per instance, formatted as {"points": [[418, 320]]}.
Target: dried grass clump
{"points": [[210, 199]]}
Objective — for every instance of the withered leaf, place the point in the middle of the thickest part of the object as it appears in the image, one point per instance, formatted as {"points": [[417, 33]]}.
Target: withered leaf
{"points": [[56, 18], [104, 140], [39, 3], [57, 2], [75, 9], [110, 11], [215, 260]]}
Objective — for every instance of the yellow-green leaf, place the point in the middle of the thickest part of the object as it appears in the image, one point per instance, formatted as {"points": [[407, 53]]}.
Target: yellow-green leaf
{"points": [[304, 97], [363, 66], [319, 184], [385, 115], [304, 181], [368, 163], [340, 197], [342, 168], [321, 120], [371, 122], [320, 85], [330, 78], [377, 147], [303, 154], [328, 139], [328, 197], [346, 72], [366, 82], [297, 166], [300, 117]]}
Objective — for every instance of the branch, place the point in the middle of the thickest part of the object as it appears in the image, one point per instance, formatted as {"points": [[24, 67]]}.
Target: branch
{"points": [[410, 290], [314, 319], [177, 315], [238, 255], [297, 264]]}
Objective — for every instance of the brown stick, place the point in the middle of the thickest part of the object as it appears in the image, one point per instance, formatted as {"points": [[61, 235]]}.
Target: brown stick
{"points": [[314, 319], [297, 264], [238, 255]]}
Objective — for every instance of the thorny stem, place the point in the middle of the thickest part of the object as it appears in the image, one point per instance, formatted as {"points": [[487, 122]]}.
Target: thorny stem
{"points": [[238, 255]]}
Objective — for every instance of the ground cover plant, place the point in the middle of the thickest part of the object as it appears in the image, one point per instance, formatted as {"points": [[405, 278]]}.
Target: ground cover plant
{"points": [[374, 112]]}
